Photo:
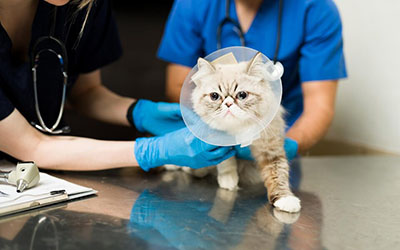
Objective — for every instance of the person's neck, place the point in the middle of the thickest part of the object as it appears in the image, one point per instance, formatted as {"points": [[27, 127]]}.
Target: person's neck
{"points": [[250, 4], [246, 11], [16, 4], [16, 11], [16, 17]]}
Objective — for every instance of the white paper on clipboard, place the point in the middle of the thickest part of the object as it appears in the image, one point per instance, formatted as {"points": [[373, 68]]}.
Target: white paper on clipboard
{"points": [[40, 195]]}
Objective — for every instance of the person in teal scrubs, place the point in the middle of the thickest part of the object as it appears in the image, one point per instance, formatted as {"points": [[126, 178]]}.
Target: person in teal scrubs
{"points": [[308, 42]]}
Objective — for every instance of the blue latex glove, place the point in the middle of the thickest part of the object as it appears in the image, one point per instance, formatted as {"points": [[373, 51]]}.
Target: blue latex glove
{"points": [[290, 147], [157, 118], [243, 153], [180, 148]]}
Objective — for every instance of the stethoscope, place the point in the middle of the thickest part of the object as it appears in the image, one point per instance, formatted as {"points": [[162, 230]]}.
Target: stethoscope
{"points": [[63, 60], [239, 30]]}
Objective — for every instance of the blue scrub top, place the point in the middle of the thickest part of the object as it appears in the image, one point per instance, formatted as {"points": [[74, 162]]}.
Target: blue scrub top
{"points": [[99, 46], [311, 46]]}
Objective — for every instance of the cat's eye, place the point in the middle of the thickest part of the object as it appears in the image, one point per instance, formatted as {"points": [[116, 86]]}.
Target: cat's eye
{"points": [[214, 96], [242, 95]]}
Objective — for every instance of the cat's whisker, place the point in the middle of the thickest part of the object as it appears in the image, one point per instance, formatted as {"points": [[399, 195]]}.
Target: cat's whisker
{"points": [[260, 123], [209, 118], [271, 131], [267, 130]]}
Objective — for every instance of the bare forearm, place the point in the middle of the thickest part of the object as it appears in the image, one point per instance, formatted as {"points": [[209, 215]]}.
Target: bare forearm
{"points": [[173, 93], [76, 153], [91, 98], [22, 141], [310, 128], [319, 109], [175, 76], [104, 105]]}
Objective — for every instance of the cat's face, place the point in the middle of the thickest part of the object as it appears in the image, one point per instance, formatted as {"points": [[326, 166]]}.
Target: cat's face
{"points": [[231, 97]]}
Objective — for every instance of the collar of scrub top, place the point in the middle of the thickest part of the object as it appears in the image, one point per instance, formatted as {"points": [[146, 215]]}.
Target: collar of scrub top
{"points": [[63, 60], [239, 30]]}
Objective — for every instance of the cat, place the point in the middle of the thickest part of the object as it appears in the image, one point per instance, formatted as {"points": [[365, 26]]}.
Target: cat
{"points": [[232, 97]]}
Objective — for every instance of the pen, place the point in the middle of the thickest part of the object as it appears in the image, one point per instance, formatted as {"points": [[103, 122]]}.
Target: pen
{"points": [[57, 192]]}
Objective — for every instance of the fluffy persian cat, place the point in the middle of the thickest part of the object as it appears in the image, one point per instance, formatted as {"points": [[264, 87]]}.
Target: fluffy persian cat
{"points": [[230, 97]]}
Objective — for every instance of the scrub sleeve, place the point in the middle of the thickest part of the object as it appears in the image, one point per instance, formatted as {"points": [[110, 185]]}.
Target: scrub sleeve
{"points": [[182, 42], [322, 52]]}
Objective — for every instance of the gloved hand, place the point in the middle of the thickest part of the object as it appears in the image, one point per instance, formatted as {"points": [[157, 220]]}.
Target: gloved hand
{"points": [[157, 118], [243, 153], [180, 148], [290, 147]]}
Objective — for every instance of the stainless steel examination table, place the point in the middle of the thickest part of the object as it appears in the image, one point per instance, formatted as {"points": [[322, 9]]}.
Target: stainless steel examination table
{"points": [[347, 203]]}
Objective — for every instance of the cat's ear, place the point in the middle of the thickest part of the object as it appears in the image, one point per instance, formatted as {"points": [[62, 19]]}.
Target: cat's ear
{"points": [[268, 70], [255, 63], [205, 66]]}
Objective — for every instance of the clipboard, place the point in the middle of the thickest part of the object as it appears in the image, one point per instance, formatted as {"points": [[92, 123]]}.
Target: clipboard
{"points": [[39, 201], [50, 190], [34, 212]]}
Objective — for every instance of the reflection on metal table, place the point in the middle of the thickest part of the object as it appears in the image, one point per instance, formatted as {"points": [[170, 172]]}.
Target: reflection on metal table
{"points": [[348, 202]]}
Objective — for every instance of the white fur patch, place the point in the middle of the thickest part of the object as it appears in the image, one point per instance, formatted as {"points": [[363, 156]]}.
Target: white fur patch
{"points": [[187, 170], [290, 204], [228, 181]]}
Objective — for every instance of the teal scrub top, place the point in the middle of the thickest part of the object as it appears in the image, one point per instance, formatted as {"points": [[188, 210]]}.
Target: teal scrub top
{"points": [[311, 47]]}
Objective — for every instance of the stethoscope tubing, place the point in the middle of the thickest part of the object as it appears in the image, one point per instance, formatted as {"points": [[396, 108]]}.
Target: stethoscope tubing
{"points": [[240, 33], [63, 60]]}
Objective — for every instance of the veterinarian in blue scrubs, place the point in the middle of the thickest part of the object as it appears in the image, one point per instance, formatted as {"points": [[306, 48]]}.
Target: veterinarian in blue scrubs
{"points": [[310, 47], [52, 51]]}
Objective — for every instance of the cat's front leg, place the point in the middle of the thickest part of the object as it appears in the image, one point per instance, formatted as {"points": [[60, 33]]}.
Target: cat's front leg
{"points": [[227, 174], [275, 173]]}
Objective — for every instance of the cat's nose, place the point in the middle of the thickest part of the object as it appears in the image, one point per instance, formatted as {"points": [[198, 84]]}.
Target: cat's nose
{"points": [[228, 104], [228, 101]]}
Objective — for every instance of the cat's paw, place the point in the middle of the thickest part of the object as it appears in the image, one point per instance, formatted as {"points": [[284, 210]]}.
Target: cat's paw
{"points": [[228, 181], [290, 204]]}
